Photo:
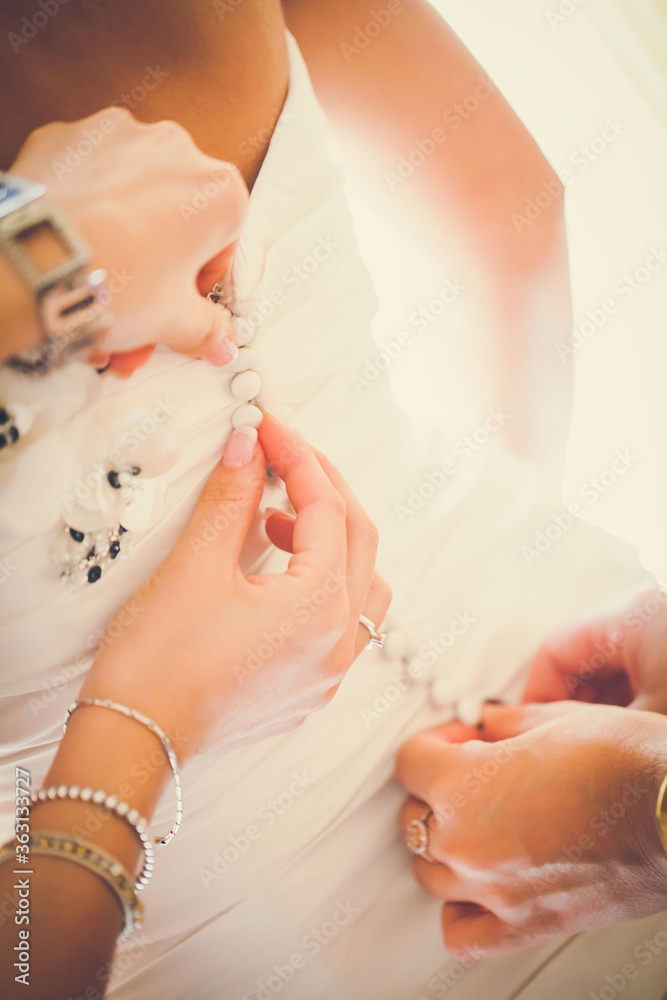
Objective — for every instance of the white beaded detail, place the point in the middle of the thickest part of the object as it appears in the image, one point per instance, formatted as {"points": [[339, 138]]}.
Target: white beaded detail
{"points": [[131, 713], [111, 804], [244, 330], [246, 385], [247, 358], [247, 416], [395, 644]]}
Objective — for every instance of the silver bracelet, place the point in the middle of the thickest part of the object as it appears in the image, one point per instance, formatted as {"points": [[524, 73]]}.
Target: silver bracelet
{"points": [[112, 805], [95, 860], [130, 713]]}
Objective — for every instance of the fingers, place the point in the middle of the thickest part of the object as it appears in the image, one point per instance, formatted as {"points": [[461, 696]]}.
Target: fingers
{"points": [[502, 722], [422, 762], [207, 329], [362, 542], [319, 540], [228, 504], [472, 932], [576, 658]]}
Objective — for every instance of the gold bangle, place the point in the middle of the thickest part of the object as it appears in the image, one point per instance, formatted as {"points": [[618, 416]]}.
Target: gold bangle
{"points": [[661, 813], [93, 859]]}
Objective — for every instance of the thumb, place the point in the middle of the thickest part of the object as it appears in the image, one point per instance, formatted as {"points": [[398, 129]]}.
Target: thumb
{"points": [[208, 332], [229, 502], [502, 722]]}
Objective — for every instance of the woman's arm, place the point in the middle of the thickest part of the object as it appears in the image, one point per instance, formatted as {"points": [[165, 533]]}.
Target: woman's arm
{"points": [[439, 149], [74, 920], [182, 662]]}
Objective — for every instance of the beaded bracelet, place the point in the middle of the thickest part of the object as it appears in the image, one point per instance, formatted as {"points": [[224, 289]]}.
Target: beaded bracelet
{"points": [[93, 859], [130, 713], [661, 813], [113, 805]]}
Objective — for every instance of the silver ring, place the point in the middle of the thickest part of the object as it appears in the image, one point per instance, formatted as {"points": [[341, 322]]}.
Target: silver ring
{"points": [[376, 638], [417, 837]]}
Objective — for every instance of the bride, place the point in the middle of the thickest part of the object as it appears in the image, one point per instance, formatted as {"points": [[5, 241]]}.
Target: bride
{"points": [[288, 876]]}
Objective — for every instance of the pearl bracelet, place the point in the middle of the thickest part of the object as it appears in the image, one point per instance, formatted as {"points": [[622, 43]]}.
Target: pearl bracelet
{"points": [[112, 805], [130, 713], [95, 860]]}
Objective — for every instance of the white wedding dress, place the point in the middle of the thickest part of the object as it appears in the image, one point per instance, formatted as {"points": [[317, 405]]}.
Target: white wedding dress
{"points": [[288, 877]]}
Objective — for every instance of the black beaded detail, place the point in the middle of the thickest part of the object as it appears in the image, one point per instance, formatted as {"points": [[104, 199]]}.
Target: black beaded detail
{"points": [[10, 432], [101, 548], [112, 478]]}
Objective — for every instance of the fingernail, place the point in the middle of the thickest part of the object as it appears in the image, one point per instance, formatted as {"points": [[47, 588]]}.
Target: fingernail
{"points": [[224, 352], [240, 447]]}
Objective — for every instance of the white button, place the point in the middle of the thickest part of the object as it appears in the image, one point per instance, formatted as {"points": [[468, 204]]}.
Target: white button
{"points": [[446, 714], [247, 358], [248, 414], [244, 330], [395, 645], [246, 385], [469, 709], [420, 672], [441, 692]]}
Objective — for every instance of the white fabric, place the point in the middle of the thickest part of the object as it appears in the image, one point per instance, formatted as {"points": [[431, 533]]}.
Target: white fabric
{"points": [[316, 881]]}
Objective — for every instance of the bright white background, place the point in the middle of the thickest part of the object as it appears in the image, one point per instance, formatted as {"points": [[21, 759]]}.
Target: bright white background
{"points": [[606, 59]]}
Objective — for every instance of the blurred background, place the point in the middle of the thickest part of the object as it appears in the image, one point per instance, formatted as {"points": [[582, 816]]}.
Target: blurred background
{"points": [[566, 67]]}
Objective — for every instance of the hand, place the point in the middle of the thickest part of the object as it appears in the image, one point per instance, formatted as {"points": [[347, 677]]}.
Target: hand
{"points": [[160, 217], [617, 659], [216, 656], [546, 829]]}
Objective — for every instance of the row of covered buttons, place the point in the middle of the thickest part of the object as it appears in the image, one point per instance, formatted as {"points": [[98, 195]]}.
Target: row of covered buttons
{"points": [[467, 709]]}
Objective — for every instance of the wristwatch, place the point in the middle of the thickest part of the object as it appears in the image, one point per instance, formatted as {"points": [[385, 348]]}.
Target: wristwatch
{"points": [[71, 301]]}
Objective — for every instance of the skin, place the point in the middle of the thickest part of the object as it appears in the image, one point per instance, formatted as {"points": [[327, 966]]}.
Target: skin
{"points": [[227, 79], [586, 853], [177, 676]]}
